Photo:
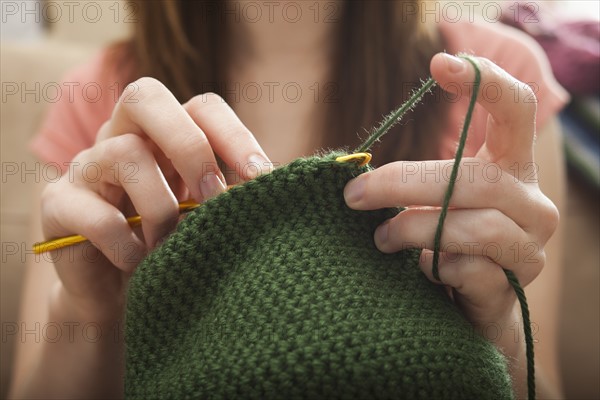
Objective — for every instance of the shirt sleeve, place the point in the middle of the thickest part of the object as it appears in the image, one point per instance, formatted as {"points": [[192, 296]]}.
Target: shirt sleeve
{"points": [[72, 122], [519, 55]]}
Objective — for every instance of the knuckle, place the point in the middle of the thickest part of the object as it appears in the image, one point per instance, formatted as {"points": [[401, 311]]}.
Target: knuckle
{"points": [[552, 215], [212, 98], [194, 104], [147, 81], [105, 226], [50, 201], [200, 101], [526, 94], [141, 89], [80, 160], [104, 131], [127, 147], [540, 257], [389, 175], [191, 147], [534, 265], [165, 212], [487, 63], [518, 93], [549, 217], [526, 98], [493, 232], [490, 188], [82, 156]]}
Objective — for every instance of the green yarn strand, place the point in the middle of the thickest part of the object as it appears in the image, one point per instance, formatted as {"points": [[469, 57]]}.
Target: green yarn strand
{"points": [[394, 118], [514, 282], [454, 173]]}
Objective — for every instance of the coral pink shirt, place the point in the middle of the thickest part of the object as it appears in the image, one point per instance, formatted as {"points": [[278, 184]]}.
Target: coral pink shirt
{"points": [[73, 122]]}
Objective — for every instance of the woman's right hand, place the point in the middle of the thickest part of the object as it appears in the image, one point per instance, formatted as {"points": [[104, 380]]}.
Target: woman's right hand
{"points": [[151, 154]]}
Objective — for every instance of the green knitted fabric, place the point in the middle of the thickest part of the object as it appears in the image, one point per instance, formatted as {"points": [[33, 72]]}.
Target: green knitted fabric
{"points": [[275, 289]]}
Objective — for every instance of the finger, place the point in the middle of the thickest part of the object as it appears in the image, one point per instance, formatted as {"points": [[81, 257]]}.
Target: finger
{"points": [[512, 106], [482, 287], [85, 213], [229, 137], [404, 183], [458, 270], [176, 184], [129, 163], [473, 233], [154, 111], [424, 183], [479, 185]]}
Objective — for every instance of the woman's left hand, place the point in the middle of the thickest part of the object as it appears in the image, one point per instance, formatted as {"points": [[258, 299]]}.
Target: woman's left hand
{"points": [[498, 218]]}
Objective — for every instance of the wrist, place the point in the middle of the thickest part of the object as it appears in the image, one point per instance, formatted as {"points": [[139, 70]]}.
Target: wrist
{"points": [[509, 339], [66, 307], [504, 330]]}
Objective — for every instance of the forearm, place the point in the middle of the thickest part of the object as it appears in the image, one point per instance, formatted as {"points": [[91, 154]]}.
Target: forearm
{"points": [[83, 359]]}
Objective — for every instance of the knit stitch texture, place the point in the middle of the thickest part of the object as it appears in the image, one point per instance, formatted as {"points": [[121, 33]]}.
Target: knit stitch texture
{"points": [[276, 290]]}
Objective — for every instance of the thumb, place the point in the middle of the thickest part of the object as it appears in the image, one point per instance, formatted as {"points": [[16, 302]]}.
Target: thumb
{"points": [[511, 105]]}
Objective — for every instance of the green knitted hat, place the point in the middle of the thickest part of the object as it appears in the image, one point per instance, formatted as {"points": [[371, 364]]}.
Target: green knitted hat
{"points": [[275, 289]]}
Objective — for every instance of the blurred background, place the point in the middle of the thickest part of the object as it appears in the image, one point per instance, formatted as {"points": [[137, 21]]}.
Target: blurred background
{"points": [[41, 40]]}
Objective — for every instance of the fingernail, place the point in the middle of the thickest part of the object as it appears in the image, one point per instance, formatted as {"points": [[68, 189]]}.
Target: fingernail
{"points": [[425, 257], [211, 186], [382, 233], [354, 190], [455, 64], [257, 165]]}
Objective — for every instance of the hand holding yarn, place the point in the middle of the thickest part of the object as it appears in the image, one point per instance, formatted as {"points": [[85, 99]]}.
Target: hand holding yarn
{"points": [[493, 224]]}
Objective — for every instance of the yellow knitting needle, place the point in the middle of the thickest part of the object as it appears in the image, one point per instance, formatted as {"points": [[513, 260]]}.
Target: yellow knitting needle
{"points": [[184, 207], [55, 244]]}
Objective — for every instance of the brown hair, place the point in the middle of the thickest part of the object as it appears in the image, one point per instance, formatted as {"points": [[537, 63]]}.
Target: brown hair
{"points": [[382, 54]]}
